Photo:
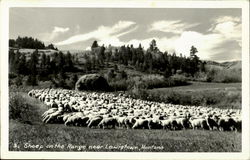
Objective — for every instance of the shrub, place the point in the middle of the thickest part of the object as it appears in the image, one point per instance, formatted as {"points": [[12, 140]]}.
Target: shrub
{"points": [[224, 75], [179, 80], [220, 99], [121, 85], [94, 82], [12, 75], [18, 108]]}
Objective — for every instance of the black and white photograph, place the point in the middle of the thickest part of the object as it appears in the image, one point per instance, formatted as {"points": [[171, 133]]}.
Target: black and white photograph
{"points": [[136, 81]]}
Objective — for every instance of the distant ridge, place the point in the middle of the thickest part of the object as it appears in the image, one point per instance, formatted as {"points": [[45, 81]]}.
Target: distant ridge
{"points": [[226, 65]]}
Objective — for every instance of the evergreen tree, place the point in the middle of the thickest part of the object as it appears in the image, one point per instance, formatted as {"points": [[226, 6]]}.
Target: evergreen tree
{"points": [[194, 63], [94, 45], [43, 61], [32, 80], [193, 51], [22, 66], [68, 62], [61, 62]]}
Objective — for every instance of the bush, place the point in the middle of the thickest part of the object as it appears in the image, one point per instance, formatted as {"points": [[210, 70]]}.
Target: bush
{"points": [[94, 82], [149, 81], [18, 108], [219, 99], [12, 75], [224, 75], [179, 80], [121, 85]]}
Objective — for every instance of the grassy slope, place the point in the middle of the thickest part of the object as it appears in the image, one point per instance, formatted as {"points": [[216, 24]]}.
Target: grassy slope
{"points": [[219, 95], [173, 141], [203, 86]]}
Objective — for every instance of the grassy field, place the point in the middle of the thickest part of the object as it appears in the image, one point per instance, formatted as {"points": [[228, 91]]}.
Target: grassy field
{"points": [[28, 133], [203, 86]]}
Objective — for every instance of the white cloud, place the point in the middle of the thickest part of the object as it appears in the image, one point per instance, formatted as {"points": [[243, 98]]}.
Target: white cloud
{"points": [[172, 26], [50, 36], [77, 29], [227, 26], [103, 33], [223, 19], [60, 30], [88, 48], [205, 43]]}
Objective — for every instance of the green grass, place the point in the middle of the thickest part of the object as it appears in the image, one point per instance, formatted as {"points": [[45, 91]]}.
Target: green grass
{"points": [[51, 137]]}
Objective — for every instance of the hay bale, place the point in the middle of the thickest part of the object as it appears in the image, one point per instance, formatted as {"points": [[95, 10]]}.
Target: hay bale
{"points": [[93, 82]]}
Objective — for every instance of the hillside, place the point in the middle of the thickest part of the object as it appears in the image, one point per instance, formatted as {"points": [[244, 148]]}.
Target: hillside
{"points": [[225, 65], [233, 65]]}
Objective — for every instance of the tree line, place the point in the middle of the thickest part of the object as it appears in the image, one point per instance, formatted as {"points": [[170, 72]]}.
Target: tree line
{"points": [[151, 60], [29, 42], [41, 66]]}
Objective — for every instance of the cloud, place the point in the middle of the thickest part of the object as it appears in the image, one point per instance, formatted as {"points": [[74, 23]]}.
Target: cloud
{"points": [[77, 29], [227, 26], [50, 36], [173, 26], [102, 33], [60, 30], [222, 19], [205, 43], [220, 42]]}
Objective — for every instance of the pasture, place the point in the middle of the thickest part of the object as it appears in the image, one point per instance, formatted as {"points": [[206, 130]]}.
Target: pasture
{"points": [[25, 136], [28, 131], [202, 86], [217, 95]]}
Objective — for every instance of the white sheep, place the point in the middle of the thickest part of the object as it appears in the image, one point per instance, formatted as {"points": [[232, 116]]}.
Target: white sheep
{"points": [[140, 123], [93, 122], [108, 122]]}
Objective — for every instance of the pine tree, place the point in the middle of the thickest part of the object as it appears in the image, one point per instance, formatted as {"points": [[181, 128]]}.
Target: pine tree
{"points": [[94, 45], [32, 80], [68, 62]]}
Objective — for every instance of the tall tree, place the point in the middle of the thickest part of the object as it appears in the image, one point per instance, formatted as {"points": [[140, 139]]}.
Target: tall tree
{"points": [[68, 62], [61, 62], [193, 51], [94, 45], [153, 46], [194, 63], [32, 80]]}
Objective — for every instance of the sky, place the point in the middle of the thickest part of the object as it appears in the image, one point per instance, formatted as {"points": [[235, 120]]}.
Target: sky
{"points": [[216, 33]]}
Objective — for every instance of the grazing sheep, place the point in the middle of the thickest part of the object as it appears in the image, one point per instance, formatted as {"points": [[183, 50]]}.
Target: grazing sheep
{"points": [[74, 119], [94, 121], [154, 124], [238, 124], [91, 109], [226, 124], [129, 121], [30, 93], [52, 117], [50, 111], [121, 121], [140, 124], [211, 123], [199, 123], [53, 104], [169, 124], [108, 122], [83, 121], [182, 123]]}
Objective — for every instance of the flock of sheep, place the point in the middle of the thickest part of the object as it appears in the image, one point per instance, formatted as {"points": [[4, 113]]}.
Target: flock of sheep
{"points": [[107, 110]]}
